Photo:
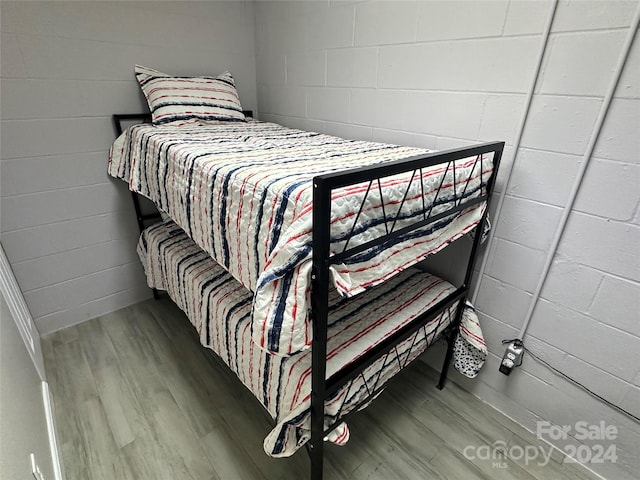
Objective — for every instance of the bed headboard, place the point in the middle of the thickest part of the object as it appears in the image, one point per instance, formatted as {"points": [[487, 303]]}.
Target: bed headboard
{"points": [[120, 118]]}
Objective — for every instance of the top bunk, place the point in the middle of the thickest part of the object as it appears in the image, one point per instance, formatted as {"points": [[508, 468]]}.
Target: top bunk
{"points": [[244, 192]]}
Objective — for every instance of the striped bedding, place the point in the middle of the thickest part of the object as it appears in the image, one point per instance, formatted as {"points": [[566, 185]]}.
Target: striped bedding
{"points": [[243, 193], [219, 307]]}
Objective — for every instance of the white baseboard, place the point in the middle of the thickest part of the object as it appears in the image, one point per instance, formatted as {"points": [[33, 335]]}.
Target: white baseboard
{"points": [[56, 461]]}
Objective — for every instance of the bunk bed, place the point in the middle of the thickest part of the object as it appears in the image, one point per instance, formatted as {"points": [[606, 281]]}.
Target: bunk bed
{"points": [[298, 272]]}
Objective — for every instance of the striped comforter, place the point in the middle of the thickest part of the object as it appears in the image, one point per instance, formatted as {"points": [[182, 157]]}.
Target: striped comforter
{"points": [[220, 309], [243, 193]]}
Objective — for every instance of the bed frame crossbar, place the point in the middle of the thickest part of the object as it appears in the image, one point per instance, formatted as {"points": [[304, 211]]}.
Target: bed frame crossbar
{"points": [[323, 186]]}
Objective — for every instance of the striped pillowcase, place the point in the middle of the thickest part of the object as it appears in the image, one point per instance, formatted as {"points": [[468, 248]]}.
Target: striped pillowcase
{"points": [[180, 99]]}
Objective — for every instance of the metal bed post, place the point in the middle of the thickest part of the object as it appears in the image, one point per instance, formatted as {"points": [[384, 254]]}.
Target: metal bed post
{"points": [[319, 314], [473, 255], [140, 217]]}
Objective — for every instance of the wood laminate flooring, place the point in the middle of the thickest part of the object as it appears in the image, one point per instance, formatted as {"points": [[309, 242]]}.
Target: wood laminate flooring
{"points": [[137, 397]]}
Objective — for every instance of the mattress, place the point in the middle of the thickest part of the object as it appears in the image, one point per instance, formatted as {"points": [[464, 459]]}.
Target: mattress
{"points": [[219, 307], [243, 193]]}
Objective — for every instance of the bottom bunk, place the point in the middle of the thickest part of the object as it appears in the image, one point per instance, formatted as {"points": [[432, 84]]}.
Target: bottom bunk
{"points": [[220, 310]]}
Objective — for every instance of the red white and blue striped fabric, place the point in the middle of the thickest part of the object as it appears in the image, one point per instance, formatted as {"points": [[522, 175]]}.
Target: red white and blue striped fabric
{"points": [[243, 193], [188, 99], [220, 309]]}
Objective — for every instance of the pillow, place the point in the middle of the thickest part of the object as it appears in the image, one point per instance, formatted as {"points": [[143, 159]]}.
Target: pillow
{"points": [[180, 99]]}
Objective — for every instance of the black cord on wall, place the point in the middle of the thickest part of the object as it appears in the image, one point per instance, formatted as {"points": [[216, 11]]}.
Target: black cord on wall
{"points": [[577, 383]]}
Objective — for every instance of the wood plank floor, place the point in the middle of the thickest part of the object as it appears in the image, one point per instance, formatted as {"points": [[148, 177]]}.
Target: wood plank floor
{"points": [[137, 397]]}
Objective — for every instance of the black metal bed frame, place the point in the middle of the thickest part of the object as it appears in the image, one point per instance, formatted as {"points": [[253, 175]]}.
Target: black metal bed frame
{"points": [[324, 388]]}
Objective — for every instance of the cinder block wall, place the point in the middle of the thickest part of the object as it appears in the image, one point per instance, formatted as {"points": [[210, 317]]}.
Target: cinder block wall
{"points": [[69, 229], [444, 74], [433, 74]]}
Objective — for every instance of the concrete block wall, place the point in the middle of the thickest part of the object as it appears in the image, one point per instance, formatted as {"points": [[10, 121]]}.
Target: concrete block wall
{"points": [[69, 229], [432, 74], [445, 74]]}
